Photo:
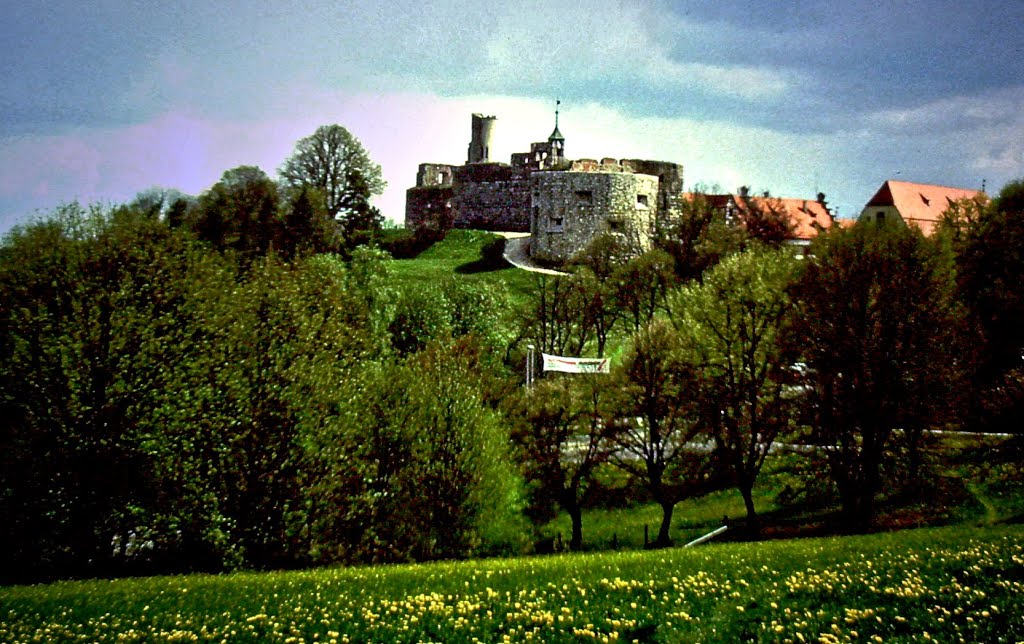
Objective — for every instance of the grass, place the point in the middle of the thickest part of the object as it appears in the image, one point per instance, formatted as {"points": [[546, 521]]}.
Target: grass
{"points": [[463, 254], [939, 584], [623, 528]]}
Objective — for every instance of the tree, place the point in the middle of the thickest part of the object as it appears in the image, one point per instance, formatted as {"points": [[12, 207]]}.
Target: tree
{"points": [[562, 436], [730, 330], [989, 245], [880, 332], [167, 203], [642, 286], [557, 318], [698, 237], [96, 318], [335, 162], [764, 219], [361, 220], [240, 212], [657, 436], [307, 228]]}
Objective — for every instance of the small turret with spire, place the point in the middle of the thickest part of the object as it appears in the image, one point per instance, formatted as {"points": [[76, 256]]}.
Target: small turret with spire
{"points": [[556, 139]]}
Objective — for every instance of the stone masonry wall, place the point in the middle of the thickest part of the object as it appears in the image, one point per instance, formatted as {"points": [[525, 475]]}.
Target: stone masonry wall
{"points": [[491, 197], [428, 207], [434, 174], [570, 208], [670, 182]]}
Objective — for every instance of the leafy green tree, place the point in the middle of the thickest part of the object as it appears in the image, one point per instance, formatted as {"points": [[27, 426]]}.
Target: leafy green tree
{"points": [[557, 319], [307, 227], [362, 221], [562, 435], [595, 287], [240, 212], [335, 162], [657, 435], [730, 330], [881, 335], [421, 316], [642, 286], [89, 336], [989, 244], [471, 494], [166, 203], [697, 237], [764, 219], [421, 468]]}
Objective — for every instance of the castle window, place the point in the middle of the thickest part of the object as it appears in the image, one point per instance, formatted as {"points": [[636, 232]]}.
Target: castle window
{"points": [[641, 201], [584, 196], [614, 225], [555, 224], [880, 216]]}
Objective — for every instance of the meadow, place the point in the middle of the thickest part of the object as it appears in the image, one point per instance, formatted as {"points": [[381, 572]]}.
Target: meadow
{"points": [[954, 584], [468, 256]]}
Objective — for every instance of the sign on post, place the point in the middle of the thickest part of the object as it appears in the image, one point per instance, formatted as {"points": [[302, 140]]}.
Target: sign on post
{"points": [[576, 365]]}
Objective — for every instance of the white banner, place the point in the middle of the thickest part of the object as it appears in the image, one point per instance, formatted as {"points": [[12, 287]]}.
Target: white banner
{"points": [[576, 365]]}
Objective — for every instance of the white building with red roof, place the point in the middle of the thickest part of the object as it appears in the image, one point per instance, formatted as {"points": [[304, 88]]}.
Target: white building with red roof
{"points": [[915, 204]]}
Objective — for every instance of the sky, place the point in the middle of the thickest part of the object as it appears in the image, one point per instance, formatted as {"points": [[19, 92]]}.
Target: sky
{"points": [[102, 100]]}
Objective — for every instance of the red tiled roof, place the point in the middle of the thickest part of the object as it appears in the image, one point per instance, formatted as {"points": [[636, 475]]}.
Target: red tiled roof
{"points": [[920, 204], [807, 216]]}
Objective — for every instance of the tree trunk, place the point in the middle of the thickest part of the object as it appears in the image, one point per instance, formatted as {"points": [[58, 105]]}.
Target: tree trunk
{"points": [[576, 515], [857, 498], [664, 540], [753, 524]]}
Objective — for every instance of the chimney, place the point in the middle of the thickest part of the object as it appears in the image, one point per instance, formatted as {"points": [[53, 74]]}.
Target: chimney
{"points": [[744, 191], [824, 204]]}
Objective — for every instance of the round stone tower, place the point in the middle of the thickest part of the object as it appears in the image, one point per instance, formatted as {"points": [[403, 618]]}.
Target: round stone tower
{"points": [[480, 143]]}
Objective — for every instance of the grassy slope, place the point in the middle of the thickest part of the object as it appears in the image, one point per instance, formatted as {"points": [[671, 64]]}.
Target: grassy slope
{"points": [[460, 255], [951, 584], [612, 528]]}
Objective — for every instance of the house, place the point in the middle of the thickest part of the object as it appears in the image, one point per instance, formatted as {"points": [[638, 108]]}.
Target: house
{"points": [[915, 204], [806, 218]]}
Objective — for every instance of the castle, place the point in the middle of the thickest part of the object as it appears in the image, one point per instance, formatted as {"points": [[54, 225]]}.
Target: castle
{"points": [[562, 203]]}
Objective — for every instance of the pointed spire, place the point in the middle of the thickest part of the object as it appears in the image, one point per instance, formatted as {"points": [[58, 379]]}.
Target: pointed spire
{"points": [[556, 135]]}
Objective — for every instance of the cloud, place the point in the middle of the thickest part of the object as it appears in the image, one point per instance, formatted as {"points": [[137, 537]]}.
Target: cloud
{"points": [[999, 108], [983, 132], [621, 48]]}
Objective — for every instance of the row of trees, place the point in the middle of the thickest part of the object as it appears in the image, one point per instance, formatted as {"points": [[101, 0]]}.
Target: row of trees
{"points": [[170, 406], [321, 202], [732, 346]]}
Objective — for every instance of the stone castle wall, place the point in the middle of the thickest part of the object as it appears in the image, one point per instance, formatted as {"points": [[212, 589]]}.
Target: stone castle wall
{"points": [[570, 208], [491, 196], [563, 203]]}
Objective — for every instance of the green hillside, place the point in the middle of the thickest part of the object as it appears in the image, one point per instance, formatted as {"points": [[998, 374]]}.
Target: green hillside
{"points": [[945, 585], [470, 255]]}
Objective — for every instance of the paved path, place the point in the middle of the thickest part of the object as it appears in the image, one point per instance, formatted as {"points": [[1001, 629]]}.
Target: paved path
{"points": [[517, 253]]}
